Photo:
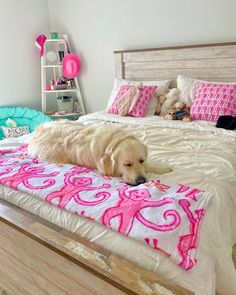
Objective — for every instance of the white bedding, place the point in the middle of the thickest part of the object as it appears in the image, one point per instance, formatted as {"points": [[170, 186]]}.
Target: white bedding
{"points": [[201, 156]]}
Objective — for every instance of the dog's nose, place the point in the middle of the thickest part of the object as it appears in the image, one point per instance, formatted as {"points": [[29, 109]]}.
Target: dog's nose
{"points": [[140, 180]]}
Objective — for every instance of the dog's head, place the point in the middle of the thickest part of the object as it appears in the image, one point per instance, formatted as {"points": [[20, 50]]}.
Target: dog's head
{"points": [[125, 157]]}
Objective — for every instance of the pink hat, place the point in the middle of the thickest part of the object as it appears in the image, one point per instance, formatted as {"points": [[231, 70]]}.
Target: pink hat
{"points": [[71, 65], [40, 40]]}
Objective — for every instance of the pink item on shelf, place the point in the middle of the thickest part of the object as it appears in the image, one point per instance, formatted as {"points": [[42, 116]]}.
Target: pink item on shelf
{"points": [[164, 215], [40, 40], [47, 87], [71, 66], [212, 100]]}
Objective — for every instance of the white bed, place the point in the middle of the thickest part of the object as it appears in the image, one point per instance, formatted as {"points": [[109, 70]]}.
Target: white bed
{"points": [[201, 156]]}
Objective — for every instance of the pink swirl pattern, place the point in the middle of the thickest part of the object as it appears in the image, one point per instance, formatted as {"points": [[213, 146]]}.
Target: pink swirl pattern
{"points": [[164, 215]]}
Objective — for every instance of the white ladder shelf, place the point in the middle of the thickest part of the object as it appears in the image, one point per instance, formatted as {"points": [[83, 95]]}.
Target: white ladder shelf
{"points": [[57, 44]]}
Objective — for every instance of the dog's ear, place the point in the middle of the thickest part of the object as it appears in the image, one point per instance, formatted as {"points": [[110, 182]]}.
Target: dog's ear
{"points": [[106, 165], [115, 140]]}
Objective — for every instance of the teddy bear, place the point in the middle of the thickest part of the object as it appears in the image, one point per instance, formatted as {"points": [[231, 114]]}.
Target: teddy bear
{"points": [[161, 97], [171, 97], [180, 111]]}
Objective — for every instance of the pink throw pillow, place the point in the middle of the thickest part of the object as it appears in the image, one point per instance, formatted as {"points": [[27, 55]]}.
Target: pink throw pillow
{"points": [[212, 100], [113, 109], [140, 108], [145, 96]]}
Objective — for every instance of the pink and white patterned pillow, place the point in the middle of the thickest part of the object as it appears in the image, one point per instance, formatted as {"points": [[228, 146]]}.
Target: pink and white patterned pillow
{"points": [[140, 108], [113, 108], [145, 96], [213, 100]]}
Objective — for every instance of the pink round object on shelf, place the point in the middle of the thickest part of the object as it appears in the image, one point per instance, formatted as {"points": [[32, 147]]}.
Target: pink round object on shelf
{"points": [[71, 65], [47, 87]]}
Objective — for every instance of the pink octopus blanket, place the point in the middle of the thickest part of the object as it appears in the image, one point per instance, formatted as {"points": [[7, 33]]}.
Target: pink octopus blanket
{"points": [[164, 215]]}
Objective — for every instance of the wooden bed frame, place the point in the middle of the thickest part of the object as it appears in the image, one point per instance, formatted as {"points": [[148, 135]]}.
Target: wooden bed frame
{"points": [[40, 258]]}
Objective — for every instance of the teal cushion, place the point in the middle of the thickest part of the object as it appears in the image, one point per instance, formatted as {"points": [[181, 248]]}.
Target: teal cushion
{"points": [[23, 116]]}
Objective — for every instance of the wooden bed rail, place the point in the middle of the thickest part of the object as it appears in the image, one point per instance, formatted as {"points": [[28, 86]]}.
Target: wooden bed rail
{"points": [[38, 257]]}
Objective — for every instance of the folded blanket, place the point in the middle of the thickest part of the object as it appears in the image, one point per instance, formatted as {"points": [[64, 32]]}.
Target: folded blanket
{"points": [[166, 216]]}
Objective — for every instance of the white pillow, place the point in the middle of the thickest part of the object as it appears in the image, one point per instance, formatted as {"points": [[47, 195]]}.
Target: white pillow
{"points": [[153, 103], [186, 86], [12, 132]]}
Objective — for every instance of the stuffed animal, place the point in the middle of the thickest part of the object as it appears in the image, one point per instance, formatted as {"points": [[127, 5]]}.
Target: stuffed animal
{"points": [[171, 97], [180, 111], [161, 97]]}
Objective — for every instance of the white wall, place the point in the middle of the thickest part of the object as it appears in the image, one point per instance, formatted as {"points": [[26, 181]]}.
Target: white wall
{"points": [[97, 27], [20, 23]]}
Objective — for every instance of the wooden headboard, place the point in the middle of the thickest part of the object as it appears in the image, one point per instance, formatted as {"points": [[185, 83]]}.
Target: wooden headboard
{"points": [[212, 62]]}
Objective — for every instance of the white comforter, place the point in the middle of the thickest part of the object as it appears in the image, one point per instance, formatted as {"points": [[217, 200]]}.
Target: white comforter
{"points": [[201, 156]]}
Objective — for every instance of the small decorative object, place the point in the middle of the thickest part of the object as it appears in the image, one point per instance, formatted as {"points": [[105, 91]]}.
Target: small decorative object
{"points": [[69, 83], [61, 83], [11, 123], [54, 35], [61, 113], [40, 40], [58, 82], [62, 80], [71, 65], [50, 112], [61, 54], [180, 111], [47, 87], [72, 83], [52, 85], [170, 99], [51, 57], [161, 97], [12, 132], [76, 107]]}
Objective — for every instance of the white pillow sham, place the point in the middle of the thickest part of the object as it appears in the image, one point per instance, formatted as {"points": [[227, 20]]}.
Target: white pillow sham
{"points": [[153, 103], [186, 85]]}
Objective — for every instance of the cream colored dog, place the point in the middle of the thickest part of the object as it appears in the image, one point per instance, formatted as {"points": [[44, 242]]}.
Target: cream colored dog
{"points": [[110, 150]]}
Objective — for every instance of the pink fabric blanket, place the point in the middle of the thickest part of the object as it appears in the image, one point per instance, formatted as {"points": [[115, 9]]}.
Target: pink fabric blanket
{"points": [[164, 215]]}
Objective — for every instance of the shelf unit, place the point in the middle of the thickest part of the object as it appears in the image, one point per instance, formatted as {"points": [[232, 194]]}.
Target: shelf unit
{"points": [[51, 66], [67, 115], [55, 71], [60, 90]]}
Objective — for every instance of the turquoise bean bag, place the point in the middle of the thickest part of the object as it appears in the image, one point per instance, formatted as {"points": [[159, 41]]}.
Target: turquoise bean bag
{"points": [[23, 116]]}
